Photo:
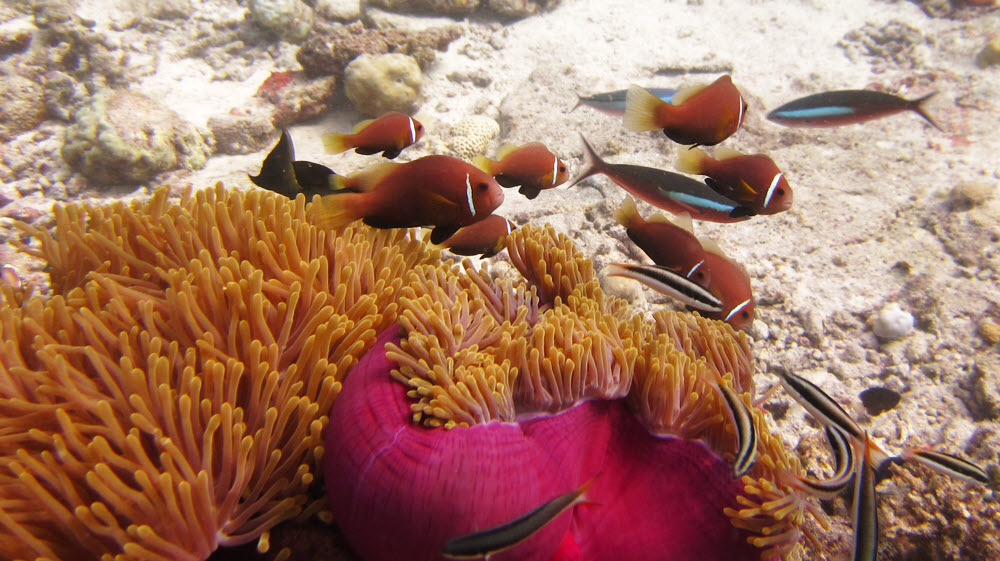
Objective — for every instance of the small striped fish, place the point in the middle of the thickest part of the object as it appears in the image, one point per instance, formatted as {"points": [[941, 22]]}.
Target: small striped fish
{"points": [[865, 508], [844, 468], [669, 282], [509, 534], [746, 432], [947, 464]]}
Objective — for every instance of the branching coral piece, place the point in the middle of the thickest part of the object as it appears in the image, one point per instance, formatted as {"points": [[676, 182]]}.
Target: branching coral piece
{"points": [[170, 398]]}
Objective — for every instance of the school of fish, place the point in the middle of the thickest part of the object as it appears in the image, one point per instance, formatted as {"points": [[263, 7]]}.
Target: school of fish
{"points": [[456, 199]]}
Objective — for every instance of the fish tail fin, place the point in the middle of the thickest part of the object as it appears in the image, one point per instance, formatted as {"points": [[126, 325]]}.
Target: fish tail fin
{"points": [[579, 102], [335, 143], [483, 163], [592, 163], [336, 211], [917, 105], [627, 214], [641, 109], [691, 160]]}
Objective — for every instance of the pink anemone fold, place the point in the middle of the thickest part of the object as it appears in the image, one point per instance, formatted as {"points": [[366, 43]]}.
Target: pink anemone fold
{"points": [[399, 490]]}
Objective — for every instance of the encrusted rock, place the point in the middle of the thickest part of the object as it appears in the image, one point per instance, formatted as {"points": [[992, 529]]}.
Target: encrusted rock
{"points": [[64, 95], [70, 44], [338, 10], [519, 8], [126, 137], [243, 130], [297, 98], [895, 41], [986, 387], [15, 36], [289, 19], [22, 105], [968, 194], [326, 55], [381, 83], [438, 7], [470, 136]]}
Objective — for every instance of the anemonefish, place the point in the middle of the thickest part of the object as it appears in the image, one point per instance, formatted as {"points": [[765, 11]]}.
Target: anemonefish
{"points": [[437, 191], [481, 545], [283, 175], [532, 166], [666, 243], [752, 179], [388, 134], [696, 115], [614, 102], [485, 238], [669, 191], [731, 283], [845, 107]]}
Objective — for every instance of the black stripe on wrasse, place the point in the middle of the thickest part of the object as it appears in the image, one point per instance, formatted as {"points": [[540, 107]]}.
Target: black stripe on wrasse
{"points": [[669, 282], [746, 432], [948, 465], [844, 467], [865, 508], [509, 534], [819, 404]]}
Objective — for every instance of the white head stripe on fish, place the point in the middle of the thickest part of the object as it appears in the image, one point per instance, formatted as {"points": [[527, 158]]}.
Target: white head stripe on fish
{"points": [[555, 168], [413, 130], [695, 268], [738, 307], [739, 120], [507, 224], [468, 195], [770, 190]]}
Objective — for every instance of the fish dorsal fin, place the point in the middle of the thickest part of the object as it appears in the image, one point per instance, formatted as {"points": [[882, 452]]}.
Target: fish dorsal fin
{"points": [[723, 153], [712, 247], [627, 213], [505, 151], [366, 179], [361, 126], [683, 220], [684, 93]]}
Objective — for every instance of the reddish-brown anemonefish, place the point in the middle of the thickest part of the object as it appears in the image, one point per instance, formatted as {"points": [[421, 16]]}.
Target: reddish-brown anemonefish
{"points": [[484, 238], [666, 243], [531, 166], [752, 179], [696, 115], [437, 191], [731, 284], [388, 134]]}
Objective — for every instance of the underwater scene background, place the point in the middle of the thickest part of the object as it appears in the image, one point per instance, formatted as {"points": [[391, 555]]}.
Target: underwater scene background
{"points": [[172, 346]]}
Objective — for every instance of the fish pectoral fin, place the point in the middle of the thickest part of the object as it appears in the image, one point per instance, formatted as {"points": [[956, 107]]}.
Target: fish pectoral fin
{"points": [[529, 192], [441, 233], [747, 188]]}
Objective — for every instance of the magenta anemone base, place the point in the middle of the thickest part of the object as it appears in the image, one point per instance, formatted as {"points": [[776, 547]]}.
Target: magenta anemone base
{"points": [[399, 491]]}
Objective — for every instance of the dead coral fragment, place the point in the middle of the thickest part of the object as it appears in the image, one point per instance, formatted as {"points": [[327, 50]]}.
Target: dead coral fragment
{"points": [[170, 398]]}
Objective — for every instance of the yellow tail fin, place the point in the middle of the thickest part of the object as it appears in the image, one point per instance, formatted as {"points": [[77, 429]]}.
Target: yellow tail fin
{"points": [[483, 163], [640, 109], [690, 161], [627, 214], [335, 143], [335, 211]]}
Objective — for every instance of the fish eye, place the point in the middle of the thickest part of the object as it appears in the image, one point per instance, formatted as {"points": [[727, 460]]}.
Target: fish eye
{"points": [[420, 127], [746, 315], [562, 169], [484, 186], [780, 191]]}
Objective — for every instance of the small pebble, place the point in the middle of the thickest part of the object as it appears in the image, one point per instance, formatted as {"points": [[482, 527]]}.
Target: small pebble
{"points": [[892, 323], [989, 331]]}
